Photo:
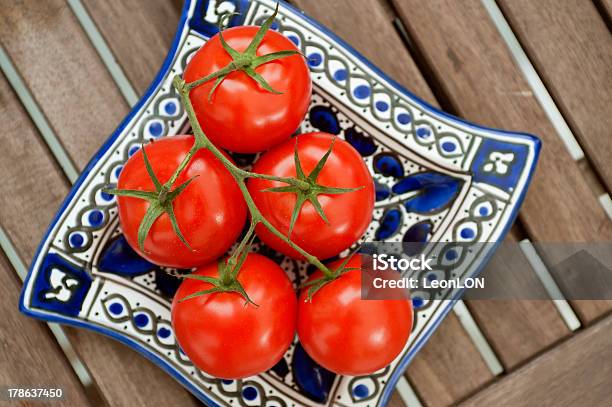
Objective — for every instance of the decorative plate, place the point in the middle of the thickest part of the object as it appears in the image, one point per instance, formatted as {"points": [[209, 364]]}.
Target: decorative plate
{"points": [[438, 178]]}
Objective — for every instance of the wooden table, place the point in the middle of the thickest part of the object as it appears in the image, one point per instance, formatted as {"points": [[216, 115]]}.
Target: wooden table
{"points": [[470, 57]]}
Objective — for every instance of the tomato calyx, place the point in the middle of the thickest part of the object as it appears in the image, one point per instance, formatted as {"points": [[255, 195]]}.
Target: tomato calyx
{"points": [[228, 271], [226, 283], [160, 200], [318, 283], [307, 189], [245, 61]]}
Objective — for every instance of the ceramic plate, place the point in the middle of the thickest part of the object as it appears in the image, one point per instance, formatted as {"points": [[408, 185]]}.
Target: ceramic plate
{"points": [[469, 182]]}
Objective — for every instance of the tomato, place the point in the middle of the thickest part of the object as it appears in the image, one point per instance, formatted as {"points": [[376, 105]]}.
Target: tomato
{"points": [[228, 339], [346, 334], [210, 212], [349, 213], [241, 116]]}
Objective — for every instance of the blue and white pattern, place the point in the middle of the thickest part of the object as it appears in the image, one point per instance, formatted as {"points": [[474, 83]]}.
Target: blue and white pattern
{"points": [[438, 179]]}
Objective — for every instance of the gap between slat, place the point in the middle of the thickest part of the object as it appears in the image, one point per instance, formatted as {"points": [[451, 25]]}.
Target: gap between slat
{"points": [[104, 51], [606, 202], [478, 338], [38, 117], [551, 287], [407, 393]]}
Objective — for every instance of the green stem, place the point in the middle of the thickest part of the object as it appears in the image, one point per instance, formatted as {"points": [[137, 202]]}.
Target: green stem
{"points": [[201, 141], [292, 181], [234, 259]]}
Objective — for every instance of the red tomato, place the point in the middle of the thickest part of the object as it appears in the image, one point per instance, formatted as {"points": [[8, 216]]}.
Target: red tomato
{"points": [[349, 214], [241, 116], [346, 334], [210, 212], [228, 339]]}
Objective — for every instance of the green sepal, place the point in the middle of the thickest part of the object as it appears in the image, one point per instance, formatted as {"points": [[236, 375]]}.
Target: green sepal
{"points": [[176, 191], [212, 280], [153, 212], [260, 80], [314, 174], [312, 190], [336, 191], [160, 201], [316, 284], [134, 193], [169, 209], [252, 48], [245, 61], [299, 172], [300, 199], [149, 168], [218, 287], [263, 59], [233, 53], [200, 293], [215, 86], [317, 205]]}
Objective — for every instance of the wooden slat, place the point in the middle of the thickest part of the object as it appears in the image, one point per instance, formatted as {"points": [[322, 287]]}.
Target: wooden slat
{"points": [[576, 67], [574, 373], [524, 325], [447, 368], [27, 346], [117, 370], [139, 33], [396, 401], [473, 65], [64, 73]]}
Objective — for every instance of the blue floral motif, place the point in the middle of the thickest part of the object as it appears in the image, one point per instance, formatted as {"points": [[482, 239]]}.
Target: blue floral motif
{"points": [[362, 143], [206, 15], [435, 191], [119, 258], [416, 236], [389, 224], [314, 381], [324, 119], [389, 165], [61, 286], [499, 164], [382, 191]]}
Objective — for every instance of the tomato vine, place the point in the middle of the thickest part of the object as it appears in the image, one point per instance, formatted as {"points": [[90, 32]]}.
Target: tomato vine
{"points": [[305, 187]]}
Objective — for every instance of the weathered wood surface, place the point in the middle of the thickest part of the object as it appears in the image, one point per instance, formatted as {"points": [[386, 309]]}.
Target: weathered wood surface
{"points": [[576, 67], [49, 48], [139, 32], [575, 373], [474, 67], [524, 325], [447, 356], [27, 346]]}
